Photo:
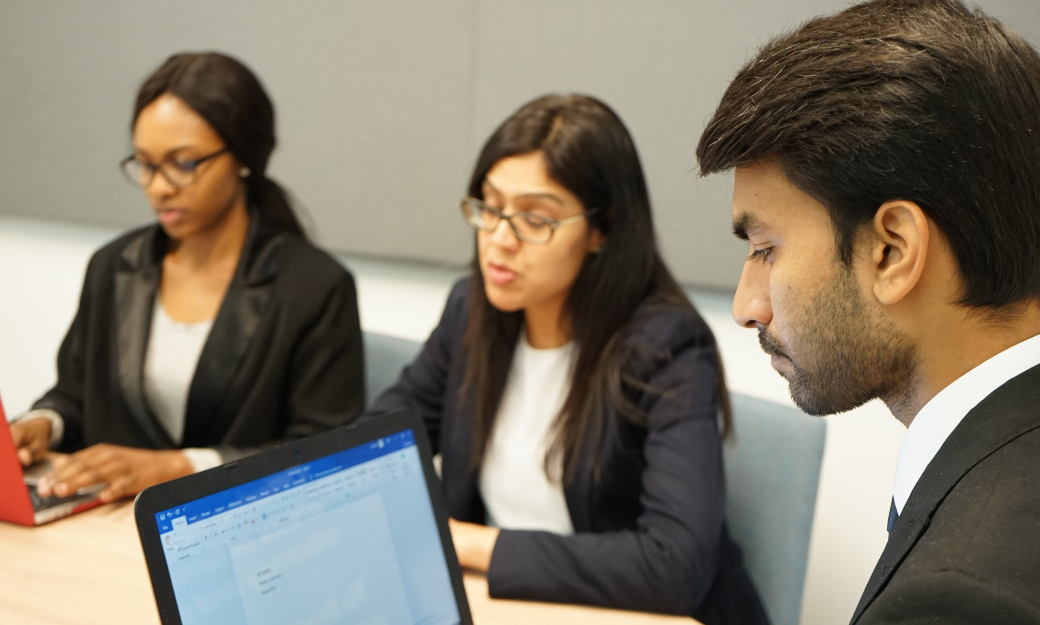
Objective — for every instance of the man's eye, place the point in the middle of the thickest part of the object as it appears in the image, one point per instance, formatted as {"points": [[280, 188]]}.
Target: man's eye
{"points": [[761, 255]]}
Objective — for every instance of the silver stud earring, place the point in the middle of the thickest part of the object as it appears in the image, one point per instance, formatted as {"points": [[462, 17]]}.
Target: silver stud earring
{"points": [[244, 172]]}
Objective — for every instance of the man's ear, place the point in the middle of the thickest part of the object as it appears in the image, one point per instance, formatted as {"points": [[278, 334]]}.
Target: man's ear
{"points": [[899, 249]]}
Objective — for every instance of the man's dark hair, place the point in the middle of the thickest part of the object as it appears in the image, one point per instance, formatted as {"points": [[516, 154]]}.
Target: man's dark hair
{"points": [[917, 100]]}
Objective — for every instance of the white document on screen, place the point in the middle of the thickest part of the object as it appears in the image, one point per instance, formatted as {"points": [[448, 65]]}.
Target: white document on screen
{"points": [[335, 567]]}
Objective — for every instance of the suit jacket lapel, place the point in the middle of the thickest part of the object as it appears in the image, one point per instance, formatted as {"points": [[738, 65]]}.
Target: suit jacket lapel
{"points": [[241, 313], [1004, 415], [136, 282]]}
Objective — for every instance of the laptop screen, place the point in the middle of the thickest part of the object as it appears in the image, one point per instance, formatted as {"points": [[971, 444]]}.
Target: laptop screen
{"points": [[350, 537]]}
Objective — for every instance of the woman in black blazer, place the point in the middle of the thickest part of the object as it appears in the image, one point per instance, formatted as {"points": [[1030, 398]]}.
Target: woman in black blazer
{"points": [[213, 333], [621, 501]]}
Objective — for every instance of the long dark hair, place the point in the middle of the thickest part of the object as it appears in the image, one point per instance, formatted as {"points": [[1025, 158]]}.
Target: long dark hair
{"points": [[587, 150], [230, 98]]}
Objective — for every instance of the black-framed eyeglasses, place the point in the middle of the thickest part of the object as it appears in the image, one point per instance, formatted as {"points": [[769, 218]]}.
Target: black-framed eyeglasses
{"points": [[529, 227], [180, 173]]}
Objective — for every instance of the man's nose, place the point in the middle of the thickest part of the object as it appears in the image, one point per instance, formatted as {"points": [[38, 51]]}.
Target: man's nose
{"points": [[751, 305]]}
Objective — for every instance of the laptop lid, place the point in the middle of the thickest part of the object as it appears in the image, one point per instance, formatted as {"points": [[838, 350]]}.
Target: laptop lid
{"points": [[343, 527], [15, 505]]}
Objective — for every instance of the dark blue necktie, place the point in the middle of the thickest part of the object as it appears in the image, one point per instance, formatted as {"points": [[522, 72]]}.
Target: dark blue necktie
{"points": [[893, 514]]}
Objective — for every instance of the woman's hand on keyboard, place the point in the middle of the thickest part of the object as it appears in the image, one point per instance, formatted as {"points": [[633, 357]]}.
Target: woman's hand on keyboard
{"points": [[31, 437], [124, 470]]}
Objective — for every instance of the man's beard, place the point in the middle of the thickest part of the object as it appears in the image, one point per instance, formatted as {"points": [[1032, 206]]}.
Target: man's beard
{"points": [[840, 355]]}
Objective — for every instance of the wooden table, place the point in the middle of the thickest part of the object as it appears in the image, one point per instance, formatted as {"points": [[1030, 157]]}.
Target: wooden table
{"points": [[90, 569]]}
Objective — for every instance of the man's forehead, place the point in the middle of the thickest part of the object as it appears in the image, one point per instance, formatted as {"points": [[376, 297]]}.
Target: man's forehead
{"points": [[754, 189], [765, 201]]}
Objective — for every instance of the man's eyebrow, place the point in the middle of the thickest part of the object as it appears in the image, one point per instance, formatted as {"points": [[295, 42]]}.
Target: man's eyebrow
{"points": [[746, 225]]}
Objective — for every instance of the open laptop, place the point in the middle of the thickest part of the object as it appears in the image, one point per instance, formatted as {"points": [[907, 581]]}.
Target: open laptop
{"points": [[19, 502], [343, 527]]}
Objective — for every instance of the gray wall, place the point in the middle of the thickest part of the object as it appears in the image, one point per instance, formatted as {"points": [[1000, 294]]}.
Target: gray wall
{"points": [[383, 104]]}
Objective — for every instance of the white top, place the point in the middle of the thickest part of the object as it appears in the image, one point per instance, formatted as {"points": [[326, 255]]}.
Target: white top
{"points": [[940, 416], [169, 367], [516, 491]]}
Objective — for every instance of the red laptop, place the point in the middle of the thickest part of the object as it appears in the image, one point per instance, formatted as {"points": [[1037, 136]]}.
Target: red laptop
{"points": [[19, 502]]}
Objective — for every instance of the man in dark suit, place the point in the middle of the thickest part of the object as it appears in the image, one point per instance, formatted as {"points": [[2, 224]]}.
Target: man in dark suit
{"points": [[887, 181]]}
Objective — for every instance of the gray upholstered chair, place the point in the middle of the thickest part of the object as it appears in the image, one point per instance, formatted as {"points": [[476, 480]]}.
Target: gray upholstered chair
{"points": [[772, 471], [385, 356]]}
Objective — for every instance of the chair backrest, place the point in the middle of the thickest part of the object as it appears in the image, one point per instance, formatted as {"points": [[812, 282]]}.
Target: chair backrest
{"points": [[772, 471], [385, 357]]}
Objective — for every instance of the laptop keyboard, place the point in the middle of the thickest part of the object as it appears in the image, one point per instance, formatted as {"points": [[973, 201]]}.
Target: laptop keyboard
{"points": [[43, 503]]}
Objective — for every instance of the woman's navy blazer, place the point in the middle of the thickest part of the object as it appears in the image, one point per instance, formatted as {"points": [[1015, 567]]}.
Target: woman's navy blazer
{"points": [[649, 531]]}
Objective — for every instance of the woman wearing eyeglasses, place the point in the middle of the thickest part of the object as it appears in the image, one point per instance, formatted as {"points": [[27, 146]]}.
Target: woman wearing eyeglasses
{"points": [[212, 333], [573, 392]]}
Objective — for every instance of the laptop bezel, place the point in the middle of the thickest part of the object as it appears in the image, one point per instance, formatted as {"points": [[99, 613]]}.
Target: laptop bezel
{"points": [[183, 490]]}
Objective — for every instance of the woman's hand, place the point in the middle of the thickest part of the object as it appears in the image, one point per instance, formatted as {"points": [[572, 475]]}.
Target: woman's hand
{"points": [[124, 471], [31, 439], [474, 544]]}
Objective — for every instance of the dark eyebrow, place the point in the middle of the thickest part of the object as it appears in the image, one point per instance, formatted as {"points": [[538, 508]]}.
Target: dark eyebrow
{"points": [[544, 196], [746, 225], [169, 153]]}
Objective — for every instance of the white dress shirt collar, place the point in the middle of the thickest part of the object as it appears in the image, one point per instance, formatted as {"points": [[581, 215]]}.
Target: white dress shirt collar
{"points": [[940, 416]]}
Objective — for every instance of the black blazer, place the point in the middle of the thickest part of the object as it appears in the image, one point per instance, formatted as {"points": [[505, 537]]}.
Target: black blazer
{"points": [[649, 535], [966, 548], [282, 360]]}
